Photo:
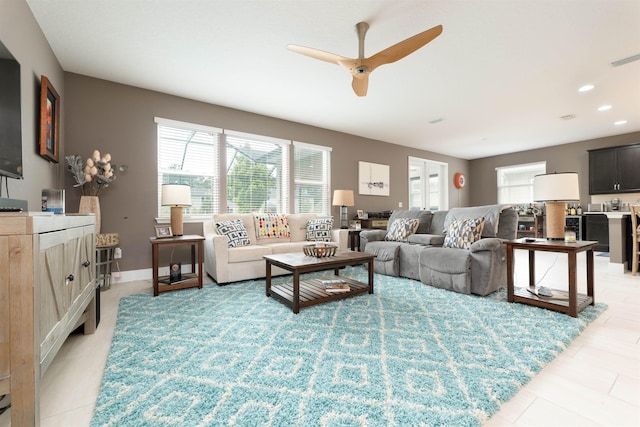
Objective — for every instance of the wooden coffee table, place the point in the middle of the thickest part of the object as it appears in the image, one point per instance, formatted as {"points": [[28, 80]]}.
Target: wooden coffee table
{"points": [[309, 292]]}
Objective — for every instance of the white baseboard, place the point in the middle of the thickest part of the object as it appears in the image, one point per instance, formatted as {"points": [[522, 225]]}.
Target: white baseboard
{"points": [[144, 274]]}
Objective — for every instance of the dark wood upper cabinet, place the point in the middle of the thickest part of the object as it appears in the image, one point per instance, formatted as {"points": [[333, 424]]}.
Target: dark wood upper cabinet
{"points": [[614, 170]]}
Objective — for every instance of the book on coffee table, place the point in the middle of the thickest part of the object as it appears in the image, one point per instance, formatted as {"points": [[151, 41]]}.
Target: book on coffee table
{"points": [[335, 285]]}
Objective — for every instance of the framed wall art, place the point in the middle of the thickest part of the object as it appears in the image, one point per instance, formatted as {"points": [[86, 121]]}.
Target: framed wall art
{"points": [[49, 121], [373, 179]]}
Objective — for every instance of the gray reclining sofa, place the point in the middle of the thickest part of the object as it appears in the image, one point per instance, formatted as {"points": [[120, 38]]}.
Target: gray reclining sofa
{"points": [[480, 269]]}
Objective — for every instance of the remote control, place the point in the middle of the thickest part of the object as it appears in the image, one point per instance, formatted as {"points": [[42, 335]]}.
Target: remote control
{"points": [[529, 240]]}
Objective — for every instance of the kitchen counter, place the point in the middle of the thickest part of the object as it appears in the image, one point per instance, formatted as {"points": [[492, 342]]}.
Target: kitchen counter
{"points": [[619, 232]]}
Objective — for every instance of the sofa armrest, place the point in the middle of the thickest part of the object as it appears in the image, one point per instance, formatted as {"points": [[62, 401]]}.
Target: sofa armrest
{"points": [[373, 235], [341, 237], [426, 239], [216, 253], [368, 236], [487, 244]]}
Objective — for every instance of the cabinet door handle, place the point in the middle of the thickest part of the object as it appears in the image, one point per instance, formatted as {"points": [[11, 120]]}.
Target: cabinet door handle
{"points": [[86, 263], [70, 278]]}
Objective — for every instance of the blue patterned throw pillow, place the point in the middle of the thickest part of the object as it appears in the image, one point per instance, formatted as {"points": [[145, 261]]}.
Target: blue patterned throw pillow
{"points": [[462, 233], [235, 231], [319, 229], [402, 228]]}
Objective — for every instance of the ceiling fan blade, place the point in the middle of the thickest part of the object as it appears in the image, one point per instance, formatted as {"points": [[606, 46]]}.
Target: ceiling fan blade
{"points": [[360, 84], [404, 48], [317, 54]]}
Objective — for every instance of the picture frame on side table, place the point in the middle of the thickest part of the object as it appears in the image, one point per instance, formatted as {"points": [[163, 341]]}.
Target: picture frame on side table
{"points": [[49, 121], [360, 214], [163, 231]]}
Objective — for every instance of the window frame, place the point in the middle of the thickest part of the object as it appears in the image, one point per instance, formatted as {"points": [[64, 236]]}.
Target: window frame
{"points": [[522, 169]]}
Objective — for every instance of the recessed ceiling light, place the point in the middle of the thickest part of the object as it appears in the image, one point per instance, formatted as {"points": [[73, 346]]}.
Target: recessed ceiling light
{"points": [[604, 107], [586, 88], [620, 122]]}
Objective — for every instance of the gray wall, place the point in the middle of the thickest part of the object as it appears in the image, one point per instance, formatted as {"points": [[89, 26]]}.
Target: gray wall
{"points": [[119, 119], [571, 157], [21, 35]]}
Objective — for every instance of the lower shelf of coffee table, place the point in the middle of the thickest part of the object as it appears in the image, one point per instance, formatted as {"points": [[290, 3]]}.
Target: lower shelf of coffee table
{"points": [[522, 295], [312, 291]]}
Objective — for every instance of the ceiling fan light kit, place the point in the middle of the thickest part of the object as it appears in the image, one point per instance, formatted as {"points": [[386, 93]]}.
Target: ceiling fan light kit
{"points": [[361, 67]]}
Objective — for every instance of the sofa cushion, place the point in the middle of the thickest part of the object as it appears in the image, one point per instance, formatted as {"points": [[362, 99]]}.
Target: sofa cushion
{"points": [[235, 231], [462, 233], [319, 229], [298, 226], [421, 215], [271, 226], [248, 253], [426, 239], [247, 218], [491, 214], [402, 228]]}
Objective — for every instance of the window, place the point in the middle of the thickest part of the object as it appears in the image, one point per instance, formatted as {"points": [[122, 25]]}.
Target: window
{"points": [[189, 156], [311, 175], [257, 173], [236, 172], [428, 184], [515, 183]]}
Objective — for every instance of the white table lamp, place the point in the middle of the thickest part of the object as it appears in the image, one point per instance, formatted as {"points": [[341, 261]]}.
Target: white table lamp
{"points": [[555, 189], [176, 196]]}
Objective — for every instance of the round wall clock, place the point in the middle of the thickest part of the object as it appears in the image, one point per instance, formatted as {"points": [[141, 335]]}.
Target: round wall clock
{"points": [[459, 180]]}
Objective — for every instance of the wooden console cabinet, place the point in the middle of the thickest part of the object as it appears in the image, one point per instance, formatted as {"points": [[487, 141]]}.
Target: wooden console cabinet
{"points": [[47, 289]]}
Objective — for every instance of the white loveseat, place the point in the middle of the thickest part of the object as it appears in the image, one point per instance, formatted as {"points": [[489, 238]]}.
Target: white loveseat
{"points": [[231, 264]]}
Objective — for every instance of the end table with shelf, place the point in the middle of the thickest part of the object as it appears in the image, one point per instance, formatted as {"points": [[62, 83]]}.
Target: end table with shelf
{"points": [[573, 302], [189, 280]]}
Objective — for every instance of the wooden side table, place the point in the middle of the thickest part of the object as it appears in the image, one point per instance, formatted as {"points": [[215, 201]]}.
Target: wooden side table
{"points": [[575, 302], [189, 280], [354, 239]]}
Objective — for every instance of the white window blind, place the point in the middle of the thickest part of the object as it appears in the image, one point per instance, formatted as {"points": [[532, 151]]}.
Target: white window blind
{"points": [[188, 154], [312, 178], [257, 173], [515, 183]]}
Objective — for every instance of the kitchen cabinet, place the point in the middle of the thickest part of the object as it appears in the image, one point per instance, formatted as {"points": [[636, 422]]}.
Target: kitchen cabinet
{"points": [[614, 170], [47, 285]]}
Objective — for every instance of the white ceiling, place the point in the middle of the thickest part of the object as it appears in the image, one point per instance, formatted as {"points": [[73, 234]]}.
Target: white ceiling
{"points": [[500, 76]]}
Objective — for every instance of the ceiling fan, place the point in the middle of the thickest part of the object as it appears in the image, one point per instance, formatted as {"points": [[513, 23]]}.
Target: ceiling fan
{"points": [[361, 67]]}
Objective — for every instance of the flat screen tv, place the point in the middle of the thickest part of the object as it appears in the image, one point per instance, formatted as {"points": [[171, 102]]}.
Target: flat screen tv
{"points": [[10, 116]]}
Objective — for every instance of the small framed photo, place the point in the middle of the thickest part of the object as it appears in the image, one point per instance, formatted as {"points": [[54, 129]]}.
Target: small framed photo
{"points": [[360, 214], [163, 231], [49, 121]]}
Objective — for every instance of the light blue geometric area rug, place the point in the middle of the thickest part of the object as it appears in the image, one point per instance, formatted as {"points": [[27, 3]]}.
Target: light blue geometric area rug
{"points": [[408, 355]]}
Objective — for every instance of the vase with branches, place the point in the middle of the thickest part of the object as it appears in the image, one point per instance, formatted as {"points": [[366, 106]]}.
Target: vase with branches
{"points": [[92, 175]]}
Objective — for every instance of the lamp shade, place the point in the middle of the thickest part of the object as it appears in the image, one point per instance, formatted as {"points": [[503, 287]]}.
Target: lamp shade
{"points": [[558, 187], [176, 195], [343, 198]]}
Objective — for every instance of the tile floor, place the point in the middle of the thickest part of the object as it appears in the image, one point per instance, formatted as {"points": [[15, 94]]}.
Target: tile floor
{"points": [[595, 382]]}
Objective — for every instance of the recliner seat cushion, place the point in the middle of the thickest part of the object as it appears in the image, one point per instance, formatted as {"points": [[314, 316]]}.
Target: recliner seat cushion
{"points": [[446, 268]]}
